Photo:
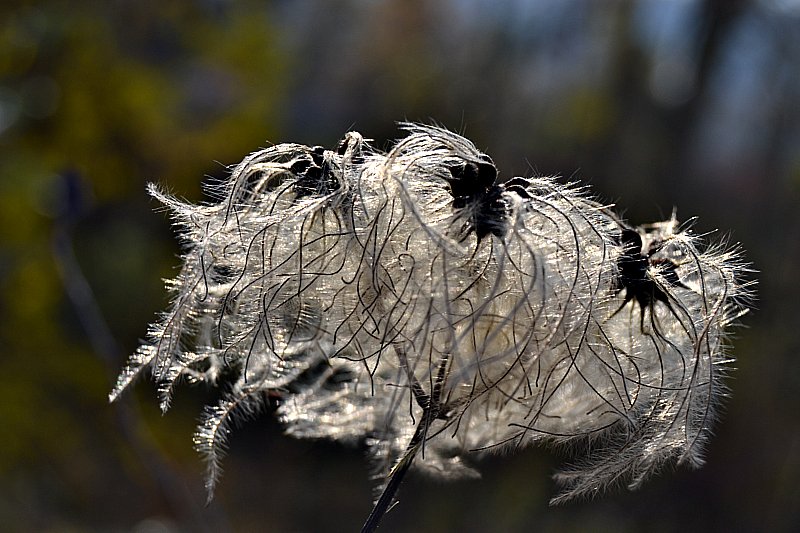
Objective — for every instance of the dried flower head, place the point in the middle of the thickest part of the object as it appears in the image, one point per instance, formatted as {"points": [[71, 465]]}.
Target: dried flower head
{"points": [[411, 301]]}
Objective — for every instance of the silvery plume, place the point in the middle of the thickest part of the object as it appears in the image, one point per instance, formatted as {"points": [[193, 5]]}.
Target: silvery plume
{"points": [[412, 302]]}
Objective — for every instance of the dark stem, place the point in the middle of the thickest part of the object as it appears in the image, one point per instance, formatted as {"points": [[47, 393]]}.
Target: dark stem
{"points": [[430, 412], [390, 490]]}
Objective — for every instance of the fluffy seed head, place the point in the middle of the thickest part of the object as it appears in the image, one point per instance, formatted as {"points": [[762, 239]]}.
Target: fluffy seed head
{"points": [[412, 301]]}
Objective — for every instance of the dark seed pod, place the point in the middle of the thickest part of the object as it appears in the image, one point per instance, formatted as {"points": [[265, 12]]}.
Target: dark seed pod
{"points": [[473, 187]]}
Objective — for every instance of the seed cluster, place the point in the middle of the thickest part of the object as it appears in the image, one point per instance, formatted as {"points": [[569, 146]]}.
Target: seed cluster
{"points": [[411, 301]]}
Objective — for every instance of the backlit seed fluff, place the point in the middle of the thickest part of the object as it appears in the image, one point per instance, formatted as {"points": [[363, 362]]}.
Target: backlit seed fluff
{"points": [[411, 301]]}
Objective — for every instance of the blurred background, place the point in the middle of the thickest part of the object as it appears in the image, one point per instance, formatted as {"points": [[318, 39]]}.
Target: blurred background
{"points": [[660, 103]]}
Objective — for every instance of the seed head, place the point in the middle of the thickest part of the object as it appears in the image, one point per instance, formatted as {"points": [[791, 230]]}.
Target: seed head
{"points": [[411, 301]]}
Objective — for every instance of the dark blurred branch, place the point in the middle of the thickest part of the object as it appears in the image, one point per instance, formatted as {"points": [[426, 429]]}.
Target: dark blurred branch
{"points": [[126, 415], [718, 16]]}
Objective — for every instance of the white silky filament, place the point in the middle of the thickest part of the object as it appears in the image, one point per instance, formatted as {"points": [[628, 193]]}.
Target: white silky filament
{"points": [[408, 300]]}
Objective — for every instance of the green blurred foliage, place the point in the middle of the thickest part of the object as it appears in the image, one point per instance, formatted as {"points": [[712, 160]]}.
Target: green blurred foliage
{"points": [[117, 96], [98, 98]]}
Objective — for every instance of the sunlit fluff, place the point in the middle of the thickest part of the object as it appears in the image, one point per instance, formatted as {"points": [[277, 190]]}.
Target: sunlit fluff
{"points": [[409, 301]]}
